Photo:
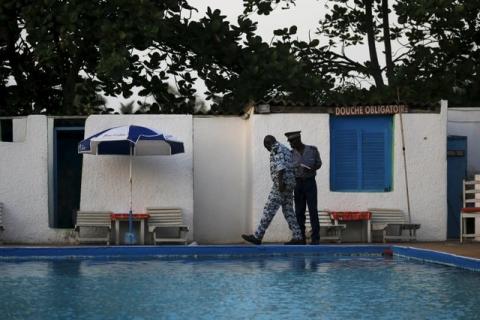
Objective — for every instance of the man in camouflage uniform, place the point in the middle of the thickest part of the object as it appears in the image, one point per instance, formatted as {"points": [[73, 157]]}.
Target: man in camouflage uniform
{"points": [[281, 194]]}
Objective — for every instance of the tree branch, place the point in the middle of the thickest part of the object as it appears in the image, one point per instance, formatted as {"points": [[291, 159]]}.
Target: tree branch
{"points": [[375, 67]]}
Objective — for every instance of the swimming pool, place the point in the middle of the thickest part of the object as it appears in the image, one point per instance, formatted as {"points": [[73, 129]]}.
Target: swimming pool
{"points": [[286, 286]]}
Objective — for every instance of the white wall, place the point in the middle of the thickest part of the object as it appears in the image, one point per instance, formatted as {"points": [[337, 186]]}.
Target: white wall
{"points": [[163, 181], [220, 175], [231, 179], [24, 184], [425, 136], [466, 122]]}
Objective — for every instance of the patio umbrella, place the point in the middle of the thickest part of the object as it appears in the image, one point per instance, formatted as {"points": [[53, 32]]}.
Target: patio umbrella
{"points": [[130, 141]]}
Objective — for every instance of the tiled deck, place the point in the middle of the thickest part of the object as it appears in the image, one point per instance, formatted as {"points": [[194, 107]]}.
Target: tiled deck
{"points": [[469, 249]]}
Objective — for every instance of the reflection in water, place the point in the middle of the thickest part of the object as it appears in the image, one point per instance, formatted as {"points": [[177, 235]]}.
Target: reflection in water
{"points": [[239, 287]]}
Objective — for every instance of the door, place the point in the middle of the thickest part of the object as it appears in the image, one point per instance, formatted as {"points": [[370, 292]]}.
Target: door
{"points": [[456, 172], [67, 175]]}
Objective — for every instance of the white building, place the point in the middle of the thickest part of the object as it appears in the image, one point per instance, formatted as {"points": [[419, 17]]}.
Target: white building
{"points": [[222, 180], [466, 122]]}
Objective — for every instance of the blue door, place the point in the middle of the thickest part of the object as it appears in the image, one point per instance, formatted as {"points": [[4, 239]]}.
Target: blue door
{"points": [[456, 172]]}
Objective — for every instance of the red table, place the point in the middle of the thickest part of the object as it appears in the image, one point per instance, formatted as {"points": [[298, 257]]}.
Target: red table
{"points": [[117, 217], [355, 216]]}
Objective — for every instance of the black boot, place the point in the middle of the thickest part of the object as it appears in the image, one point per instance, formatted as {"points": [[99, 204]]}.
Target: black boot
{"points": [[295, 242], [251, 238]]}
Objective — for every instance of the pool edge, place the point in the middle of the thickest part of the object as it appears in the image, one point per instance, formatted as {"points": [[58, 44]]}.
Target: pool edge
{"points": [[86, 252], [132, 251], [436, 257]]}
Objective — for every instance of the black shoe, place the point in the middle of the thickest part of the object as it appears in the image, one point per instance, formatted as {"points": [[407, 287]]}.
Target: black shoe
{"points": [[315, 242], [251, 238], [295, 242]]}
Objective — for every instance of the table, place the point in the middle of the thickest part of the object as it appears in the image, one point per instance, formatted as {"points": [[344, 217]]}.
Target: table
{"points": [[355, 216], [117, 217]]}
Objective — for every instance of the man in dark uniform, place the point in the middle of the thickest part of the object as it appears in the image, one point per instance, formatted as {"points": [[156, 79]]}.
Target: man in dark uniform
{"points": [[306, 161]]}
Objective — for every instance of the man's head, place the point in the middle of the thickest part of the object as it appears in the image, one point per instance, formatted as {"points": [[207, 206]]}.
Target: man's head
{"points": [[294, 139], [268, 142]]}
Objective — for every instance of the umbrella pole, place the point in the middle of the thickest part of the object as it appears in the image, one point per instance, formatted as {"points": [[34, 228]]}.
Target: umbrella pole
{"points": [[130, 213]]}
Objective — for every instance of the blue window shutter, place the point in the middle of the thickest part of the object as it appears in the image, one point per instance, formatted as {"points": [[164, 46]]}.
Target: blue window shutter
{"points": [[373, 161], [346, 159], [361, 153]]}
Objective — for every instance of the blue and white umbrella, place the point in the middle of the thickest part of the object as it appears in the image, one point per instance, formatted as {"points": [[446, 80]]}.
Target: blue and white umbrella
{"points": [[130, 141]]}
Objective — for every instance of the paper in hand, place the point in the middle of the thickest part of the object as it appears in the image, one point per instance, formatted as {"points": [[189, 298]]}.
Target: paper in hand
{"points": [[305, 166]]}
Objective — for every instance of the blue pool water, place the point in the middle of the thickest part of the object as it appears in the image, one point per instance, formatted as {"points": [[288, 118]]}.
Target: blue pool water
{"points": [[247, 287]]}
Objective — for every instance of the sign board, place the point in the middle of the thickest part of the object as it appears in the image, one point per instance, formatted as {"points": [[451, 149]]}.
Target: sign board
{"points": [[352, 110], [370, 110]]}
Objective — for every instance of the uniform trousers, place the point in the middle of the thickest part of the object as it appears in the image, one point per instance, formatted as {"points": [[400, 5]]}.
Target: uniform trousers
{"points": [[306, 195], [277, 199]]}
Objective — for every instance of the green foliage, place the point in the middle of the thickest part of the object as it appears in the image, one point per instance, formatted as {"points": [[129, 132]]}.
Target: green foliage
{"points": [[265, 7], [444, 49], [57, 57], [439, 57]]}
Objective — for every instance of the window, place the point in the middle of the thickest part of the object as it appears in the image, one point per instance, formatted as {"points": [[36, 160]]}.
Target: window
{"points": [[361, 153]]}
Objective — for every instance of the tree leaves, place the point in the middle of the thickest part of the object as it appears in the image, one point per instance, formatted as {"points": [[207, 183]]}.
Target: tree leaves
{"points": [[57, 56]]}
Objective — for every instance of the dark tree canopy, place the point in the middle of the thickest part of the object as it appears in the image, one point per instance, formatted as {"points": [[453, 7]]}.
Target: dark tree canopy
{"points": [[438, 58], [57, 57], [60, 57]]}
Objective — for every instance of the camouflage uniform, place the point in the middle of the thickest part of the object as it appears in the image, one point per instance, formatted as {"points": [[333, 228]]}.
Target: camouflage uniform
{"points": [[280, 159]]}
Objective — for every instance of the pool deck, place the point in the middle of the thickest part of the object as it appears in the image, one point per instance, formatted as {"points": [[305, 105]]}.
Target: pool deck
{"points": [[468, 249]]}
